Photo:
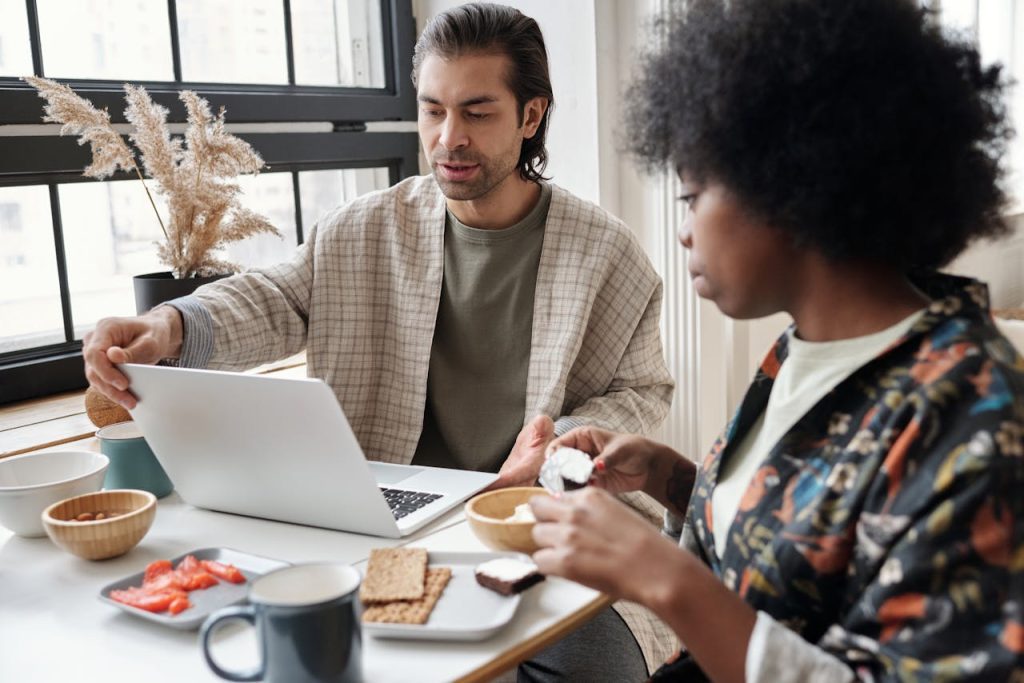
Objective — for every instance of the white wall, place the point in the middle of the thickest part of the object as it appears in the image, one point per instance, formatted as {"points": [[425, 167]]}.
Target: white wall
{"points": [[1000, 264]]}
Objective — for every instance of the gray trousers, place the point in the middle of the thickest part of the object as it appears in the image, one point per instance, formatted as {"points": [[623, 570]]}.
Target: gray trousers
{"points": [[601, 650]]}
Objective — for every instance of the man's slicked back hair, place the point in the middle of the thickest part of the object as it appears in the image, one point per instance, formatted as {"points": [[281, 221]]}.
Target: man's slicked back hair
{"points": [[484, 28]]}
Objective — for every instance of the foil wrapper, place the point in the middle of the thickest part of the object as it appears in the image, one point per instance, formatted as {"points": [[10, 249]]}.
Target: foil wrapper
{"points": [[566, 469]]}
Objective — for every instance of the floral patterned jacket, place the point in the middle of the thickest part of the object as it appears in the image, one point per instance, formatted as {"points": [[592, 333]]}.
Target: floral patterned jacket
{"points": [[887, 526]]}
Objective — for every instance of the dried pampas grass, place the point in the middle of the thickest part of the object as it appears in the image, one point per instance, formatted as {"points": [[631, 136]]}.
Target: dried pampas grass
{"points": [[195, 175]]}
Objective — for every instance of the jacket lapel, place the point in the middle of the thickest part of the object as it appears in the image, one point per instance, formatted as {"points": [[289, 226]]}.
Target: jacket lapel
{"points": [[549, 359], [753, 405]]}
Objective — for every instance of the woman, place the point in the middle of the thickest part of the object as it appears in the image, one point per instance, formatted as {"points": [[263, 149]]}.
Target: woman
{"points": [[861, 517]]}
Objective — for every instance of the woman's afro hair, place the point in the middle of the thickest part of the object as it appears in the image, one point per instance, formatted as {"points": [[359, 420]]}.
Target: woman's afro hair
{"points": [[857, 126]]}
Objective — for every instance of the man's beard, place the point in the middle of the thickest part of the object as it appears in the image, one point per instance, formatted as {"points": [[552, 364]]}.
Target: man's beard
{"points": [[490, 174]]}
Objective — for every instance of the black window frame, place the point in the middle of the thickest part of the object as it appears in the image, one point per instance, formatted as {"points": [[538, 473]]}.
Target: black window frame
{"points": [[51, 160]]}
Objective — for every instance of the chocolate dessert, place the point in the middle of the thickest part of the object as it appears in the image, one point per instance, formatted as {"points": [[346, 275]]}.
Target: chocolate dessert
{"points": [[507, 575]]}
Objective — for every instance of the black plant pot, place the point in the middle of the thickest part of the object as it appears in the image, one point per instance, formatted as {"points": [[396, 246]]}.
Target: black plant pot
{"points": [[152, 289]]}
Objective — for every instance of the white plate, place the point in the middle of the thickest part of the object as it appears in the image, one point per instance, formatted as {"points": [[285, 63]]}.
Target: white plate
{"points": [[206, 601], [465, 611]]}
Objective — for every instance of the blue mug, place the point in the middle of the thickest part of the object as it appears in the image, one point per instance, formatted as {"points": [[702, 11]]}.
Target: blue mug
{"points": [[307, 626]]}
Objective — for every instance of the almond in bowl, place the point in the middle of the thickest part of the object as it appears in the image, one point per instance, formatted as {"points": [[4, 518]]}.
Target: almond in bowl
{"points": [[502, 519], [127, 515]]}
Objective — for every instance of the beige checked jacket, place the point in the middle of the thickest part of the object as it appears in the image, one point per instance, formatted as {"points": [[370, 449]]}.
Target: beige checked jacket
{"points": [[361, 296]]}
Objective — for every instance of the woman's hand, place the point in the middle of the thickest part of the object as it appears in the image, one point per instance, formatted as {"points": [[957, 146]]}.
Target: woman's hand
{"points": [[589, 537], [626, 462]]}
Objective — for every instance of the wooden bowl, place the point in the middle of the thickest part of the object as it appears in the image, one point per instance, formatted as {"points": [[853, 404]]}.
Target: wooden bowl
{"points": [[105, 538], [487, 513]]}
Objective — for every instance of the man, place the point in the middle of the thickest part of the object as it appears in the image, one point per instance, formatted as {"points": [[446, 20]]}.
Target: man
{"points": [[449, 309]]}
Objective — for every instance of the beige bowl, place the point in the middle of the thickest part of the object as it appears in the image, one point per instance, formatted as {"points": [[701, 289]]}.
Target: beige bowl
{"points": [[101, 539], [487, 513]]}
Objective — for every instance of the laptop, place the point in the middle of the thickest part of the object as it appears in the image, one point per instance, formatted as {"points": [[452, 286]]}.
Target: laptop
{"points": [[282, 449]]}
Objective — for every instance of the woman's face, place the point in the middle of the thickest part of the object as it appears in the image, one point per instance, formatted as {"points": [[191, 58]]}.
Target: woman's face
{"points": [[736, 260]]}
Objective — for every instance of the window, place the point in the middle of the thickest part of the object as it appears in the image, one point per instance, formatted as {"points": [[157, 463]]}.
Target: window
{"points": [[300, 79]]}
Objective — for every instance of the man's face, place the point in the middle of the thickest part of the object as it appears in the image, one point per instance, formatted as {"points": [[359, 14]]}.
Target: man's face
{"points": [[469, 123]]}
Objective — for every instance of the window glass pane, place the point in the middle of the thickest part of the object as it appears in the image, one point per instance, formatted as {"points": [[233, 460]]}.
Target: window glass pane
{"points": [[270, 194], [30, 312], [226, 41], [321, 191], [109, 235], [15, 53], [338, 43], [995, 32], [960, 15], [109, 39]]}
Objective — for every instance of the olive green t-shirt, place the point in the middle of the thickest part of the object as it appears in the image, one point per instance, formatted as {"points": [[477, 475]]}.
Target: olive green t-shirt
{"points": [[476, 386]]}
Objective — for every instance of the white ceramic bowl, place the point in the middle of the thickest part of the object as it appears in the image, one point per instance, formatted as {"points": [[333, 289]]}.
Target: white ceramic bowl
{"points": [[30, 483]]}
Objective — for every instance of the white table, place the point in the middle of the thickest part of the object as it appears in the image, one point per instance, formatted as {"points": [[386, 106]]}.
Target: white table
{"points": [[53, 627]]}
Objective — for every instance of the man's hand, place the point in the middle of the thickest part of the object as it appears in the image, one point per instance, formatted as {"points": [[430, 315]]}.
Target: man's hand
{"points": [[522, 467], [145, 339]]}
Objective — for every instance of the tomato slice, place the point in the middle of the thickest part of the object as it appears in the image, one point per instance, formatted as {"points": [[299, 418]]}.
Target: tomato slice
{"points": [[155, 569], [188, 565], [162, 582], [151, 602], [222, 570], [199, 580], [193, 575], [178, 605]]}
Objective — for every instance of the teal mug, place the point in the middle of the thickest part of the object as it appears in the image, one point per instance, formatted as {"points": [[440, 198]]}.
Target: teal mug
{"points": [[132, 463]]}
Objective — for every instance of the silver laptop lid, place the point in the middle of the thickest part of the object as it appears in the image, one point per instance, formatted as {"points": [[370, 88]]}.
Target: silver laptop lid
{"points": [[262, 446]]}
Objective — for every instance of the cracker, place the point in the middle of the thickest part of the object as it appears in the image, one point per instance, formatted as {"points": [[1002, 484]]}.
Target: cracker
{"points": [[412, 611], [394, 574]]}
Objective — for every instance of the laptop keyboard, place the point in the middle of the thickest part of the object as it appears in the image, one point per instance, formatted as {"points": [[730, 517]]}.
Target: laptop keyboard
{"points": [[404, 502]]}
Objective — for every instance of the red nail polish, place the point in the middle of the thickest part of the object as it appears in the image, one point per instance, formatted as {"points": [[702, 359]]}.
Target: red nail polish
{"points": [[599, 465]]}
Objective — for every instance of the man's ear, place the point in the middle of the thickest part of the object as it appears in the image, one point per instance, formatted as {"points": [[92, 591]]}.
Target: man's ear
{"points": [[533, 114]]}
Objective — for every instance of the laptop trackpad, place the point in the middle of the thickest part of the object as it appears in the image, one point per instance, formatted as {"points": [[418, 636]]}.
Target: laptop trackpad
{"points": [[386, 473]]}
